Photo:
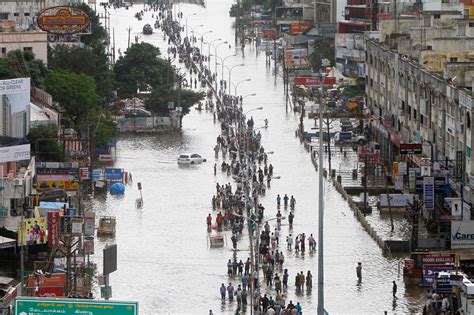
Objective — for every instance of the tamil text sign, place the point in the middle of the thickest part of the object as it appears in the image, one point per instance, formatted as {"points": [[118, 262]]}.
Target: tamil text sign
{"points": [[41, 306], [62, 20], [462, 234], [15, 153], [312, 81]]}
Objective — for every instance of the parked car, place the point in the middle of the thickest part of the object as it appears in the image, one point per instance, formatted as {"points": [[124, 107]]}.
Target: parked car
{"points": [[136, 112], [190, 159], [349, 138]]}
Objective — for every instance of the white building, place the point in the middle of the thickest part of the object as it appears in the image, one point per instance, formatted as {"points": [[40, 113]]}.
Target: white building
{"points": [[31, 41]]}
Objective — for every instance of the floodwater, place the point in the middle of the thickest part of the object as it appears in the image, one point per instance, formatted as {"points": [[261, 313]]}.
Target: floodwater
{"points": [[165, 261]]}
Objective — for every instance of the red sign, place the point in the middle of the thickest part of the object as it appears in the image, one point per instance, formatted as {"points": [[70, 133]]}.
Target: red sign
{"points": [[313, 81], [63, 20], [51, 285], [298, 28], [411, 148], [53, 228], [269, 33], [440, 259], [369, 154]]}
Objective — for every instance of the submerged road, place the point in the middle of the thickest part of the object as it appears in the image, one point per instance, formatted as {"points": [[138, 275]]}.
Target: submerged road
{"points": [[164, 257]]}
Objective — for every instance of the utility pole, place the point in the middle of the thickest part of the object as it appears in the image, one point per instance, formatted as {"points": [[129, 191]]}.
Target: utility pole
{"points": [[129, 29]]}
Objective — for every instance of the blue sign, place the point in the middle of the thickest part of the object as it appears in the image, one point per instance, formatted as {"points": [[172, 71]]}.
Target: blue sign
{"points": [[113, 174], [439, 184], [96, 174], [428, 192], [429, 273], [71, 212]]}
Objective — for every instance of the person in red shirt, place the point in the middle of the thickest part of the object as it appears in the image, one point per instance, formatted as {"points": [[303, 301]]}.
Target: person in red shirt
{"points": [[219, 220], [209, 221]]}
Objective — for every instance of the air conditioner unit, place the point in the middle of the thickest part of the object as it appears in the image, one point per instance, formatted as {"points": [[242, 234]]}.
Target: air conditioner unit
{"points": [[18, 182]]}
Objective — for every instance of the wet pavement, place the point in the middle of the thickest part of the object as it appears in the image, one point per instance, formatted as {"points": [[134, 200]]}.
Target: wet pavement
{"points": [[164, 257]]}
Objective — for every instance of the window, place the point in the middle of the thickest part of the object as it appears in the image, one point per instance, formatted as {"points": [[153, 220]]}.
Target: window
{"points": [[371, 82], [4, 51], [468, 120], [414, 114], [421, 119], [16, 14], [27, 14], [437, 16], [28, 49], [3, 16], [453, 59]]}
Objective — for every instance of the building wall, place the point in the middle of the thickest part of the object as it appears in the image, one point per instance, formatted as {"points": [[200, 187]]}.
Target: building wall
{"points": [[37, 42]]}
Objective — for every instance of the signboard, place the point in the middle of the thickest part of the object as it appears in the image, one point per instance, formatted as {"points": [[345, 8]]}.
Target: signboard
{"points": [[434, 263], [399, 182], [89, 224], [428, 192], [62, 20], [429, 273], [43, 306], [96, 174], [412, 179], [76, 226], [110, 259], [402, 168], [459, 165], [462, 234], [84, 173], [15, 153], [113, 174], [313, 81], [105, 157], [53, 228], [289, 13], [411, 148], [32, 231], [89, 247], [439, 184], [296, 58], [300, 27], [56, 181], [397, 200]]}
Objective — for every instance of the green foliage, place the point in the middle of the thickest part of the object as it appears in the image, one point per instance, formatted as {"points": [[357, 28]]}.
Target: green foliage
{"points": [[19, 64], [323, 49], [140, 68], [161, 96], [98, 34], [43, 148], [76, 95], [353, 91], [87, 61]]}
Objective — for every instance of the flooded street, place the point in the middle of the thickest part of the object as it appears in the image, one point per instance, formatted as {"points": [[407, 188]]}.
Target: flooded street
{"points": [[164, 257]]}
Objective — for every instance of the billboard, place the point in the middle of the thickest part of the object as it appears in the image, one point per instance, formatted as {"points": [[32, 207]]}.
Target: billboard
{"points": [[15, 153], [313, 81], [51, 285], [113, 173], [434, 263], [15, 86], [296, 58], [411, 148], [397, 200], [53, 228], [62, 20], [462, 234], [289, 13], [56, 181], [46, 306], [298, 28], [32, 231]]}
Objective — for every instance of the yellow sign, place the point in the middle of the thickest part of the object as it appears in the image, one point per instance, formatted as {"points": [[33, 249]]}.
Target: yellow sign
{"points": [[43, 185], [32, 231]]}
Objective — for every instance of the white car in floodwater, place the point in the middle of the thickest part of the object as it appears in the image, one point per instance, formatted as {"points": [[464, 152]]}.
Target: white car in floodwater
{"points": [[188, 158]]}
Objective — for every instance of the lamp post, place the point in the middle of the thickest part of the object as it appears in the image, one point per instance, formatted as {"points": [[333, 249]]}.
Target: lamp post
{"points": [[230, 72], [222, 63], [187, 22], [192, 29], [209, 51], [215, 54], [202, 38], [237, 85]]}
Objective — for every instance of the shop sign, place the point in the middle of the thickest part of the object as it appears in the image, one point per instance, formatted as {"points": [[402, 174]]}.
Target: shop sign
{"points": [[84, 173], [89, 247], [399, 182], [113, 174], [462, 234], [56, 181], [105, 157], [402, 168], [465, 100], [459, 165], [411, 148], [53, 228], [428, 192], [313, 81], [52, 280], [412, 179], [298, 28], [15, 153], [430, 272], [439, 259], [62, 20], [397, 200], [439, 184]]}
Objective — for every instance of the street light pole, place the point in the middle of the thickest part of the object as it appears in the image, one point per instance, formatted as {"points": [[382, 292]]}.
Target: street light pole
{"points": [[209, 52], [215, 55], [187, 22], [237, 85], [202, 39], [230, 72]]}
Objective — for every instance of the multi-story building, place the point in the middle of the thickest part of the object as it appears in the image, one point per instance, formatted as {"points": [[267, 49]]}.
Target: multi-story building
{"points": [[418, 84], [27, 41]]}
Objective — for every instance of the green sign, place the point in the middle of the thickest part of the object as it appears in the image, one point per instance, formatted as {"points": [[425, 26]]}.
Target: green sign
{"points": [[42, 306]]}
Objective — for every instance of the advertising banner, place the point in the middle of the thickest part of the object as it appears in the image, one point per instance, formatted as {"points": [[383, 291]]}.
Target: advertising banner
{"points": [[84, 173], [298, 28], [428, 192], [313, 81], [32, 231], [53, 228], [429, 273], [56, 181], [15, 153], [296, 58], [113, 174], [462, 234], [397, 200], [63, 20], [411, 148], [289, 13], [13, 86], [434, 263]]}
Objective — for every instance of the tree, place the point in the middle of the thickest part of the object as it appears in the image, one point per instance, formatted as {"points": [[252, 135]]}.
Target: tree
{"points": [[19, 64], [42, 146], [76, 95], [84, 61], [140, 68], [323, 49], [161, 96], [98, 35]]}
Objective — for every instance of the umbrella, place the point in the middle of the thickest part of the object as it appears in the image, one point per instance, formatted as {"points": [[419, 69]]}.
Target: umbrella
{"points": [[117, 189]]}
